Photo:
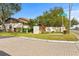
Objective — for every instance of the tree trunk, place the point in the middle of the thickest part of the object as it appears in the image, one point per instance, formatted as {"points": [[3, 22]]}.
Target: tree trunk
{"points": [[4, 28], [3, 19], [3, 24]]}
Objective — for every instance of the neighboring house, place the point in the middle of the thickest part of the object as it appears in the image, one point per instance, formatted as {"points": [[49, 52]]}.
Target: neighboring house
{"points": [[75, 27], [12, 23]]}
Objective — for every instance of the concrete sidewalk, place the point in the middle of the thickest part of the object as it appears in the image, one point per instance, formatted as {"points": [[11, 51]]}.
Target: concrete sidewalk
{"points": [[25, 47]]}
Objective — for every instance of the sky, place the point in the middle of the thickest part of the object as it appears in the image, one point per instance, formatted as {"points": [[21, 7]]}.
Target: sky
{"points": [[32, 10]]}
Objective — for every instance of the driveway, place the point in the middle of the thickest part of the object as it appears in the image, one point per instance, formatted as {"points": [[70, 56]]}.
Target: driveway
{"points": [[15, 46]]}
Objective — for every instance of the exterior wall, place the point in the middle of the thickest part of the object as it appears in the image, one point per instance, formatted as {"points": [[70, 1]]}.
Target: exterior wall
{"points": [[7, 26], [55, 29], [49, 29], [15, 25], [36, 30], [1, 28], [25, 26]]}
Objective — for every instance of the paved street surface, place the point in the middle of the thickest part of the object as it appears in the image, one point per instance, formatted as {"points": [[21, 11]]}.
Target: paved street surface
{"points": [[25, 47]]}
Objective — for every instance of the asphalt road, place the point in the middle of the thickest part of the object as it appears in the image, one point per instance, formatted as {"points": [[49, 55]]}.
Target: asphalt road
{"points": [[14, 46], [2, 37]]}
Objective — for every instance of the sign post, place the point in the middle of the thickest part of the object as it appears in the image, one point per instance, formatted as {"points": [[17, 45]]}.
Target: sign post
{"points": [[62, 14]]}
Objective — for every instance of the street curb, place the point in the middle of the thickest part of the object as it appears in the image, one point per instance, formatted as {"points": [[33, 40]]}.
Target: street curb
{"points": [[45, 40]]}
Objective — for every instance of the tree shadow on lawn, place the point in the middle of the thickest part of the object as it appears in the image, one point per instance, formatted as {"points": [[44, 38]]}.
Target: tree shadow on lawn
{"points": [[2, 53]]}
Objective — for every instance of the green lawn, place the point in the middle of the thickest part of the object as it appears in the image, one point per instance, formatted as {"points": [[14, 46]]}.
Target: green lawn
{"points": [[50, 36]]}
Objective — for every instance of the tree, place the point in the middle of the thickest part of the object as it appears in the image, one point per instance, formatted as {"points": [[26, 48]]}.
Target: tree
{"points": [[8, 9], [74, 22], [31, 23], [52, 18]]}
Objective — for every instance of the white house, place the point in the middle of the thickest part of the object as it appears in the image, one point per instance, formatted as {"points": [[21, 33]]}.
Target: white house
{"points": [[12, 23]]}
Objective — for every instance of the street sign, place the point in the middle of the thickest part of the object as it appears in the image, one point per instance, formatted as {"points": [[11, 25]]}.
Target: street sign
{"points": [[62, 14]]}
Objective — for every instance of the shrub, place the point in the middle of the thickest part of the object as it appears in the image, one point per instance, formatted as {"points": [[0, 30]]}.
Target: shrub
{"points": [[30, 29], [18, 29], [25, 29]]}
